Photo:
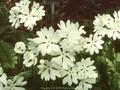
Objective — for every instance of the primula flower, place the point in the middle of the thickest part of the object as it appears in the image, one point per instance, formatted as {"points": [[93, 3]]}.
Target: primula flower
{"points": [[29, 59], [70, 75], [14, 19], [70, 31], [21, 13], [85, 84], [66, 56], [20, 47], [49, 70], [114, 26], [16, 83], [82, 72], [86, 74], [47, 41], [93, 44], [100, 23], [86, 69], [108, 25]]}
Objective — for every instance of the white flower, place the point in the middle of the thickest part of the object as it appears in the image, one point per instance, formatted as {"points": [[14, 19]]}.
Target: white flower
{"points": [[100, 24], [86, 69], [13, 18], [66, 56], [29, 18], [70, 31], [93, 44], [16, 11], [65, 60], [83, 71], [47, 41], [85, 84], [20, 47], [108, 25], [114, 26], [16, 83], [37, 10], [86, 74], [3, 77], [70, 76], [49, 70], [21, 13], [80, 46], [29, 59]]}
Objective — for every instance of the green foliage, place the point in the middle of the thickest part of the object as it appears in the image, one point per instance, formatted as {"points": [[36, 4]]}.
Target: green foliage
{"points": [[26, 74], [8, 58], [118, 57], [116, 81]]}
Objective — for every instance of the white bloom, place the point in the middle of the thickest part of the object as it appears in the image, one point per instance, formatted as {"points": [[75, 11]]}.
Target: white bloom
{"points": [[3, 77], [20, 47], [13, 18], [65, 60], [86, 74], [29, 59], [100, 23], [108, 25], [70, 31], [47, 41], [16, 83], [114, 26], [80, 46], [66, 57], [86, 69], [16, 11], [49, 70], [85, 84], [83, 71], [93, 44], [21, 13], [29, 18], [70, 76]]}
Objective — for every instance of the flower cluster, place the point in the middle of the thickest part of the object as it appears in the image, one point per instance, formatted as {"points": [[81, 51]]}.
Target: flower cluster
{"points": [[54, 52], [61, 47], [22, 14], [108, 25], [15, 83]]}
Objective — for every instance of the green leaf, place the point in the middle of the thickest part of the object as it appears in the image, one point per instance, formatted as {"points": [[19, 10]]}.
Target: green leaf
{"points": [[118, 57], [26, 74], [116, 81], [8, 58], [110, 65]]}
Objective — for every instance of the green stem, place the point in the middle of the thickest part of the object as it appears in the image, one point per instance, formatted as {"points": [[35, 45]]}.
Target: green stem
{"points": [[52, 11]]}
